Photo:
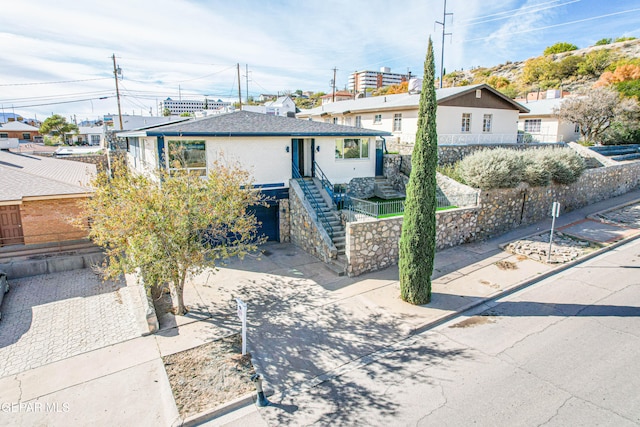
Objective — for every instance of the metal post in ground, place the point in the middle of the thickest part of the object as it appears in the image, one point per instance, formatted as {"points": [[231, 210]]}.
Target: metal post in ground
{"points": [[555, 212]]}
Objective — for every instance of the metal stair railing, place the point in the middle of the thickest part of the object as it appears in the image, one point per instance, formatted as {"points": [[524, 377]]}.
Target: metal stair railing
{"points": [[322, 218], [326, 184]]}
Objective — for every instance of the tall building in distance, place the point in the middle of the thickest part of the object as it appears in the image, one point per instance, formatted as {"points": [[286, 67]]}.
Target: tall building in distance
{"points": [[360, 81], [190, 105]]}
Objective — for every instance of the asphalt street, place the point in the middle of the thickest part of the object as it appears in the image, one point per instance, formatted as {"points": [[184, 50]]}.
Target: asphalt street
{"points": [[565, 351]]}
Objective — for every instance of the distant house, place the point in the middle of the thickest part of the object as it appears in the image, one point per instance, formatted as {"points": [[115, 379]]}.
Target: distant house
{"points": [[20, 131], [39, 196], [283, 106], [89, 135], [467, 114], [339, 96], [274, 149], [542, 125]]}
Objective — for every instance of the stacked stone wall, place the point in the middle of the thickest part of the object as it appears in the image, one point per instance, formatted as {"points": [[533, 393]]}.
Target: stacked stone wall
{"points": [[373, 245], [305, 231], [284, 217]]}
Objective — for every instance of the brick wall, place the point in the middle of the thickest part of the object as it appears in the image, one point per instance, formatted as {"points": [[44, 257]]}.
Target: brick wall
{"points": [[50, 220]]}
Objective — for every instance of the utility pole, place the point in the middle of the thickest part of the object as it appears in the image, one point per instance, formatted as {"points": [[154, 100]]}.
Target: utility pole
{"points": [[239, 91], [246, 71], [333, 83], [116, 71], [444, 34]]}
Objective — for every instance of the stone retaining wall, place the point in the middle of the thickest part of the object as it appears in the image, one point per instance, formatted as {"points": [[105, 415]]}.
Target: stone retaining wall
{"points": [[373, 245], [306, 232], [361, 188], [449, 154], [284, 217]]}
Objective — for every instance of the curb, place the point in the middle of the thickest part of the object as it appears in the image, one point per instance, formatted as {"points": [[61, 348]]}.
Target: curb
{"points": [[525, 283], [369, 358], [221, 410]]}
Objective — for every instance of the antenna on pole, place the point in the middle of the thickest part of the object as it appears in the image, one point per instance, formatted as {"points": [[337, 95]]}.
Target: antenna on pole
{"points": [[333, 83], [239, 85], [444, 34]]}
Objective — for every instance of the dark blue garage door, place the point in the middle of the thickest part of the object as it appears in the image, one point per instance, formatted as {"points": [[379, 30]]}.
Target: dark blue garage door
{"points": [[268, 216]]}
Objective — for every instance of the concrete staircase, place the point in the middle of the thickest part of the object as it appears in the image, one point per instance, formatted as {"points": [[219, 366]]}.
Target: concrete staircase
{"points": [[336, 230], [384, 190]]}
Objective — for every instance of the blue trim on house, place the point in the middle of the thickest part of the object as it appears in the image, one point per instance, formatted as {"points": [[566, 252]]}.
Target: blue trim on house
{"points": [[274, 185], [161, 162], [261, 134], [277, 194]]}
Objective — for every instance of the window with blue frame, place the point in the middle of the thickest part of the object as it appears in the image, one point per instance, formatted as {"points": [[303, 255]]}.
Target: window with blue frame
{"points": [[352, 148], [188, 154]]}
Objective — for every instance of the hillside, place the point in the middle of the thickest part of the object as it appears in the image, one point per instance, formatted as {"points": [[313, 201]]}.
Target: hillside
{"points": [[574, 71]]}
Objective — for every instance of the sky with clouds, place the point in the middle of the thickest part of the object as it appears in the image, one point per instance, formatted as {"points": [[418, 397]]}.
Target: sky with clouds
{"points": [[57, 55]]}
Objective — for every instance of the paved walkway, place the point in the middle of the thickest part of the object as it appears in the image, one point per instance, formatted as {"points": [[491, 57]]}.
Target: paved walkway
{"points": [[55, 316]]}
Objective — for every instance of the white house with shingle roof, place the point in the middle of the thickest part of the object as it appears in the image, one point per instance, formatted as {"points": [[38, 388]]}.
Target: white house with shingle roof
{"points": [[274, 149], [38, 197], [467, 114]]}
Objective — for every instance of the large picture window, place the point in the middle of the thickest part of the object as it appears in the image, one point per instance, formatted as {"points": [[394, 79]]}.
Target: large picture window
{"points": [[532, 125], [352, 148], [190, 155]]}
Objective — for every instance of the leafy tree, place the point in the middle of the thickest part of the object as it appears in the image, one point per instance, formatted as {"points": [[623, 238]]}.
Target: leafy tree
{"points": [[185, 114], [595, 62], [629, 88], [166, 112], [560, 47], [498, 82], [536, 69], [596, 112], [418, 239], [603, 42], [57, 126], [171, 225]]}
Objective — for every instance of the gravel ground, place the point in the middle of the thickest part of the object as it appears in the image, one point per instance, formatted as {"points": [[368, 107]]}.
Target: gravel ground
{"points": [[209, 375], [564, 249]]}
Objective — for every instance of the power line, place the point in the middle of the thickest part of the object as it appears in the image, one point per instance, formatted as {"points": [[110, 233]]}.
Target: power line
{"points": [[63, 102], [509, 12], [555, 25], [52, 83], [522, 12]]}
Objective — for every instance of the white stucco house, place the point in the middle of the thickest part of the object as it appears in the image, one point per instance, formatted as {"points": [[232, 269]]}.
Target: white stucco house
{"points": [[283, 106], [274, 149], [467, 114], [543, 126]]}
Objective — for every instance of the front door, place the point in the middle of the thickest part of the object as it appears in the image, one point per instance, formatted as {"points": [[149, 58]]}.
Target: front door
{"points": [[302, 156], [379, 158], [10, 226]]}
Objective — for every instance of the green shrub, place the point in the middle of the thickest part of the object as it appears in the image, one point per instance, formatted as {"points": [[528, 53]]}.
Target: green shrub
{"points": [[603, 42], [564, 164], [535, 172], [452, 171], [498, 168], [559, 48], [505, 168]]}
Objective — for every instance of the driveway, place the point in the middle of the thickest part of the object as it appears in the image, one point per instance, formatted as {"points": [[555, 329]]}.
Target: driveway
{"points": [[52, 317]]}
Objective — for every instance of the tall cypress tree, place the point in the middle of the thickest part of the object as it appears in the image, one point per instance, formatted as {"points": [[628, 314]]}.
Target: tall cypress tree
{"points": [[418, 240]]}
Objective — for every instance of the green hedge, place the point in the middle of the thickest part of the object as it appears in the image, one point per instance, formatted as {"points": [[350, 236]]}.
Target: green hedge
{"points": [[505, 168]]}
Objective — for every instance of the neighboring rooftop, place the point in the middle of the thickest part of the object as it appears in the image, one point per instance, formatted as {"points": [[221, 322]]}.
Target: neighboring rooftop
{"points": [[400, 101], [17, 127], [24, 176], [246, 123]]}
